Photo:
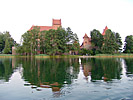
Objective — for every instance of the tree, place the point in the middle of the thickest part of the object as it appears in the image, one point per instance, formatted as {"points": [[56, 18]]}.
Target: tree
{"points": [[60, 41], [128, 48], [6, 36], [52, 42], [7, 49], [2, 42], [118, 41], [110, 44], [97, 39], [30, 42], [42, 41], [26, 46], [35, 41]]}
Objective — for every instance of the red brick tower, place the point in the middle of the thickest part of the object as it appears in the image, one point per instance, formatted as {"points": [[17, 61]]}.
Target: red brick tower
{"points": [[56, 23], [86, 42], [106, 28]]}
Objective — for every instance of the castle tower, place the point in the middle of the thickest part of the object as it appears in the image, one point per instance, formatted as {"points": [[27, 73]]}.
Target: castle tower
{"points": [[104, 31], [56, 23], [86, 42]]}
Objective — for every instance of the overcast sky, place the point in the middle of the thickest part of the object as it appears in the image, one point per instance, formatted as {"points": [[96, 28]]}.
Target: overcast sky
{"points": [[82, 16]]}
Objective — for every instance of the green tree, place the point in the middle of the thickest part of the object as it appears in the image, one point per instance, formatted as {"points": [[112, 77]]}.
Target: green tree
{"points": [[35, 41], [110, 44], [118, 41], [60, 41], [30, 42], [6, 36], [2, 42], [97, 39], [50, 42], [128, 48], [7, 48], [26, 47], [42, 41]]}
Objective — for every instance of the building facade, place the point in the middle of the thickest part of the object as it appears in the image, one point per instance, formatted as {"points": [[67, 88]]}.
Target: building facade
{"points": [[86, 42]]}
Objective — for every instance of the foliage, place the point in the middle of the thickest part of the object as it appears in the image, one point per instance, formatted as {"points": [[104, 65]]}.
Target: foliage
{"points": [[118, 41], [86, 52], [6, 40], [51, 42], [7, 49], [30, 42], [128, 48], [42, 41], [96, 39], [112, 42]]}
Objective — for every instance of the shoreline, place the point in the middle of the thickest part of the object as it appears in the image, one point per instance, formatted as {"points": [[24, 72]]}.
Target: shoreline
{"points": [[72, 56]]}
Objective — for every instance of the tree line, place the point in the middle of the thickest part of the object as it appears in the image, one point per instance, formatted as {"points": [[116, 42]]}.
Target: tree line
{"points": [[64, 41], [110, 43], [6, 43], [51, 42]]}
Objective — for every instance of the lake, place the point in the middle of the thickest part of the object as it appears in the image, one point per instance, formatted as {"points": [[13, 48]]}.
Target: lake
{"points": [[66, 79]]}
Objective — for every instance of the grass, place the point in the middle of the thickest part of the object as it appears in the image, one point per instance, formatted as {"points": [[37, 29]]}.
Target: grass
{"points": [[56, 56], [71, 56], [6, 55], [114, 55]]}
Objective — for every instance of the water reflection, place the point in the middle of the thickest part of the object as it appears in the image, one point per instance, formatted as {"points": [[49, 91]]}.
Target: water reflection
{"points": [[50, 73], [129, 67], [102, 69], [56, 74], [6, 69]]}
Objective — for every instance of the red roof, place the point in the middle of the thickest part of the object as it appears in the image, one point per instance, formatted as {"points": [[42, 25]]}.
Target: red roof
{"points": [[42, 28], [85, 36], [106, 28], [56, 21]]}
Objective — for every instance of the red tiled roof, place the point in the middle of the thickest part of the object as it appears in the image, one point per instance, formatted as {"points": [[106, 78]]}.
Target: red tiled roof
{"points": [[106, 28], [42, 28], [56, 21], [85, 36]]}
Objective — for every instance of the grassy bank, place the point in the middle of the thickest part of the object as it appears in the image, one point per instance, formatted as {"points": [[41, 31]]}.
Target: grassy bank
{"points": [[6, 55], [71, 56], [56, 56], [109, 56], [114, 55]]}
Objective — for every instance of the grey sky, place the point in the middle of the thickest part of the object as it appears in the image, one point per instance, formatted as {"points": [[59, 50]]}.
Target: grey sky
{"points": [[82, 16]]}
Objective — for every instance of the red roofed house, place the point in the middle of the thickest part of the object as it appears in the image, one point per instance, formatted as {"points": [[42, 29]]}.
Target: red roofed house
{"points": [[55, 25]]}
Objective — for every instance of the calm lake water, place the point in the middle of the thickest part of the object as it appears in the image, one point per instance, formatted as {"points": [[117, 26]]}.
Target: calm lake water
{"points": [[66, 79]]}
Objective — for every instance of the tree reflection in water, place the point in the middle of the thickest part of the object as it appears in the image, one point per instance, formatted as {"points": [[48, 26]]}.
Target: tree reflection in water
{"points": [[102, 69], [6, 69], [50, 73], [58, 73], [129, 67]]}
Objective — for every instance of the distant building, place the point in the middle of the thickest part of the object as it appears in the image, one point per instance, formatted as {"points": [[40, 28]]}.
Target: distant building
{"points": [[13, 50], [87, 40], [106, 28], [56, 23]]}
